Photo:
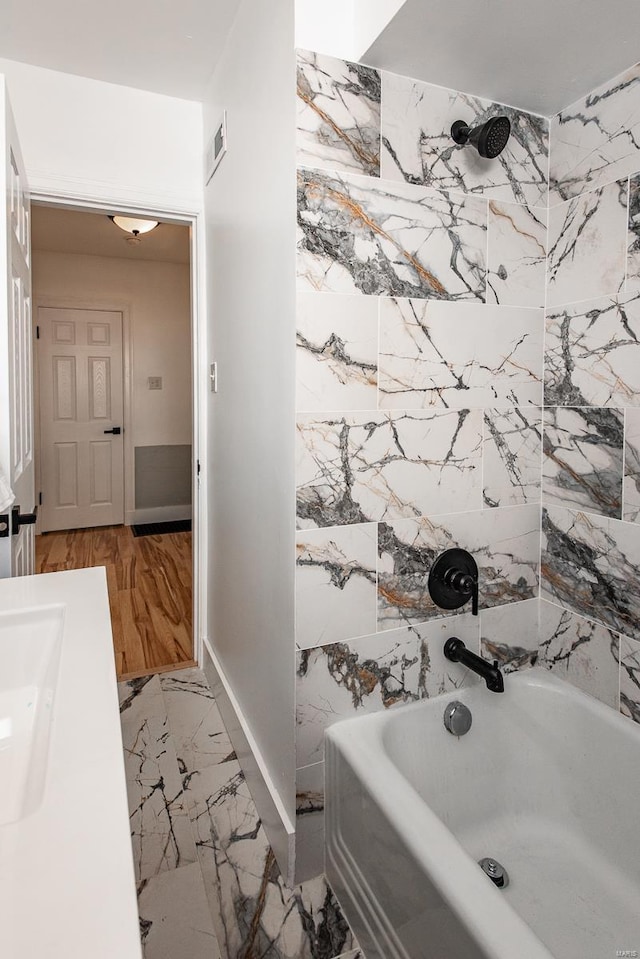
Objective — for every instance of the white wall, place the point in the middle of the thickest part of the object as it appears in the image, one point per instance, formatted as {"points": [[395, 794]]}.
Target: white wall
{"points": [[85, 138], [156, 296], [251, 216], [326, 27]]}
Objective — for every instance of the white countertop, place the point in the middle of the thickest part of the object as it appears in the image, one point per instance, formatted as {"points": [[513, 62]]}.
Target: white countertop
{"points": [[67, 888]]}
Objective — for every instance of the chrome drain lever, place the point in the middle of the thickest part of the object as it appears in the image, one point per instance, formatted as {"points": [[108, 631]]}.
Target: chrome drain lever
{"points": [[495, 871]]}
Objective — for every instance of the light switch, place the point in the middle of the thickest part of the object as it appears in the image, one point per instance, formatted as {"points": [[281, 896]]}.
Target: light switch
{"points": [[154, 382]]}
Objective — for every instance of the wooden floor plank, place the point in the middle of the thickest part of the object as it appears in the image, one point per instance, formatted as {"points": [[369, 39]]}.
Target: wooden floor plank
{"points": [[150, 582]]}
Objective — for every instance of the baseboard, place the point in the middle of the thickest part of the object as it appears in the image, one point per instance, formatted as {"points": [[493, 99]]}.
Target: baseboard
{"points": [[157, 514], [277, 824]]}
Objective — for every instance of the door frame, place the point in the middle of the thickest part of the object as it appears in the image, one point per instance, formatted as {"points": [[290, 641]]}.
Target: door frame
{"points": [[199, 366]]}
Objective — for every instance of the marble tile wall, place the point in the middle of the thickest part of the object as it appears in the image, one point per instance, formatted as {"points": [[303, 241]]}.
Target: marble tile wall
{"points": [[421, 283], [590, 561]]}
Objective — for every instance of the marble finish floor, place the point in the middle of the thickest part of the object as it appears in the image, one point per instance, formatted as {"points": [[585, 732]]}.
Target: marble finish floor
{"points": [[208, 884]]}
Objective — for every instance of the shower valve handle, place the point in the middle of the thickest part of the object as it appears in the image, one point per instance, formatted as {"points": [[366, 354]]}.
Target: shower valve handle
{"points": [[464, 583]]}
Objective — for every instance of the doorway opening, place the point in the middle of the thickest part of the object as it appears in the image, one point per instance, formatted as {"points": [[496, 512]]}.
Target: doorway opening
{"points": [[115, 448]]}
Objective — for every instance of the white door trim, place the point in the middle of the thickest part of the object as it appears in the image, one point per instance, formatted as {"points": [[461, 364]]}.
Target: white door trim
{"points": [[199, 354]]}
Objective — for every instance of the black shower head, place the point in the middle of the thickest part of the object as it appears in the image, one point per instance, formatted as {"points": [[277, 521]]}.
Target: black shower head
{"points": [[489, 139]]}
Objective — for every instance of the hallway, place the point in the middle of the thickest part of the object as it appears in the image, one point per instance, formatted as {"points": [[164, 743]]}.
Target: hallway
{"points": [[150, 591]]}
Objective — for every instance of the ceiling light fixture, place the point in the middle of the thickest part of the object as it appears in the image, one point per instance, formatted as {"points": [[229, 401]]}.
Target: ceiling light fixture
{"points": [[134, 226]]}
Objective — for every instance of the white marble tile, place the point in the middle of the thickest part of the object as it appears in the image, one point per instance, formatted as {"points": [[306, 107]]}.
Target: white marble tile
{"points": [[141, 702], [358, 235], [254, 913], [417, 145], [512, 452], [595, 140], [591, 565], [517, 254], [309, 822], [372, 673], [509, 634], [504, 542], [587, 246], [631, 489], [337, 352], [582, 464], [335, 583], [338, 114], [359, 468], [458, 356], [196, 726], [579, 651], [633, 236], [160, 832], [174, 916], [592, 353], [630, 678]]}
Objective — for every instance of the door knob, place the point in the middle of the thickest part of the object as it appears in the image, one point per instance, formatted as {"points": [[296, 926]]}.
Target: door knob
{"points": [[19, 519], [116, 431]]}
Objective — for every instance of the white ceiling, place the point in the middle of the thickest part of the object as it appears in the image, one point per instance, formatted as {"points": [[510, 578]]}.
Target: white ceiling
{"points": [[539, 55], [70, 231], [167, 46]]}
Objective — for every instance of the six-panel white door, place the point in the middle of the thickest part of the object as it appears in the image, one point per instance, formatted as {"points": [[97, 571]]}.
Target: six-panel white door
{"points": [[81, 402], [16, 369]]}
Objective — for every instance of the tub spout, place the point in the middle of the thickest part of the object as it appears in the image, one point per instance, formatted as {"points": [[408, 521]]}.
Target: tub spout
{"points": [[457, 652]]}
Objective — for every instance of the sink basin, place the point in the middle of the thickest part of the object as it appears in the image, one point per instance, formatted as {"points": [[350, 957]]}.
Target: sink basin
{"points": [[546, 782], [30, 642], [67, 886]]}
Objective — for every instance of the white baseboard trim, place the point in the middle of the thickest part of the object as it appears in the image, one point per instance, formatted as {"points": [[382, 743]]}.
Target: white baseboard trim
{"points": [[157, 514], [277, 824]]}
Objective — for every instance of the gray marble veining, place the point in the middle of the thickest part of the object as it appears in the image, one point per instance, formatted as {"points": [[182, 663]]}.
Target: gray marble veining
{"points": [[254, 912], [174, 916], [504, 543], [631, 489], [417, 144], [231, 892], [458, 355], [309, 821], [630, 678], [358, 468], [593, 353], [517, 254], [591, 565], [580, 651], [587, 245], [597, 139], [335, 583], [372, 673], [338, 114], [362, 235], [633, 236], [160, 832], [583, 458], [337, 352], [509, 634], [512, 450]]}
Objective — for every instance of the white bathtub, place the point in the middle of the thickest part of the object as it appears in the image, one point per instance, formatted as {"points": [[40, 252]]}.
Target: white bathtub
{"points": [[547, 781]]}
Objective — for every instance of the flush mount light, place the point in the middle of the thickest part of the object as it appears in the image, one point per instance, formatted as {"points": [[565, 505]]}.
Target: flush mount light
{"points": [[134, 226]]}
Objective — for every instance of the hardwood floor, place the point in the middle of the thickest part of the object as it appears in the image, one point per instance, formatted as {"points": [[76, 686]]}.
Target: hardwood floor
{"points": [[150, 583]]}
